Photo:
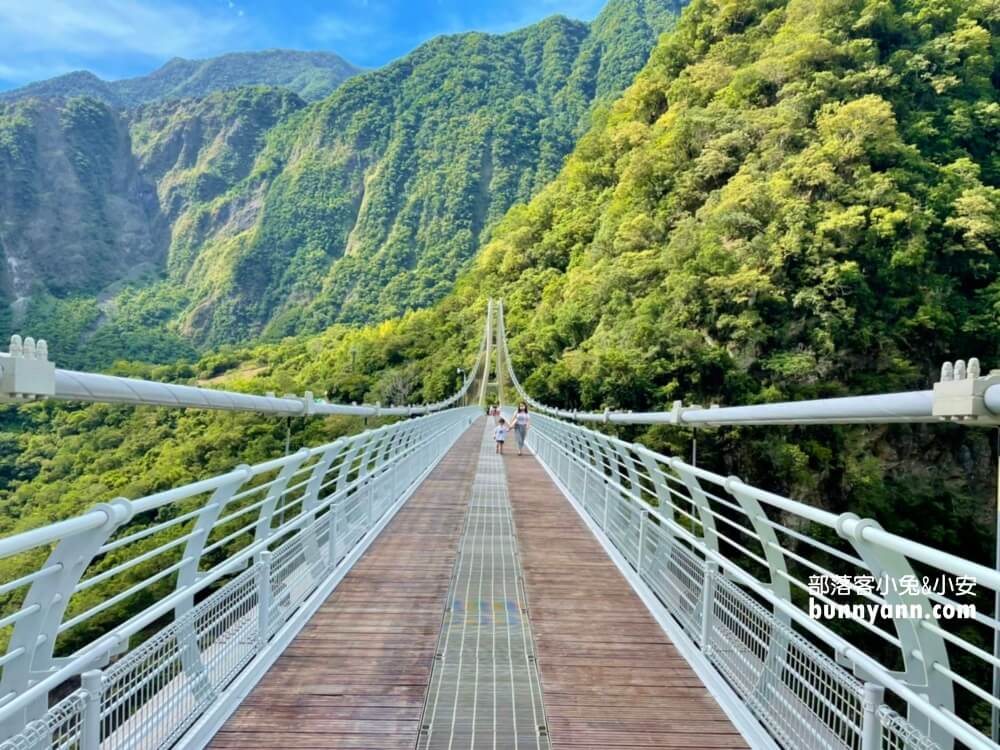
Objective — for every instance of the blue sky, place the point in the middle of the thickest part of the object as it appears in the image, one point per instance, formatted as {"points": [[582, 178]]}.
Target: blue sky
{"points": [[122, 38]]}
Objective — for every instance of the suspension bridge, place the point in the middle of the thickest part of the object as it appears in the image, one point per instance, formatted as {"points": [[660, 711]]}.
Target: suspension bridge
{"points": [[407, 587]]}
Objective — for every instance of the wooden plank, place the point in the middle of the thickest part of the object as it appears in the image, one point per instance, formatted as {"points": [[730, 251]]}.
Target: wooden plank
{"points": [[356, 676], [610, 676]]}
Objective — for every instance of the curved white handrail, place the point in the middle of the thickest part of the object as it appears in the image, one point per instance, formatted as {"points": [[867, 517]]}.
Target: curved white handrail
{"points": [[884, 408], [33, 377]]}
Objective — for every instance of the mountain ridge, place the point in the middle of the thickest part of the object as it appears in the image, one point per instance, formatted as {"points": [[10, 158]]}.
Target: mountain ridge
{"points": [[312, 75], [416, 159], [283, 217]]}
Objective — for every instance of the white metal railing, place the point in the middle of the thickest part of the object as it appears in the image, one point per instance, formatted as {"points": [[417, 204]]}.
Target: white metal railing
{"points": [[739, 569], [962, 395], [737, 566], [26, 374], [226, 561]]}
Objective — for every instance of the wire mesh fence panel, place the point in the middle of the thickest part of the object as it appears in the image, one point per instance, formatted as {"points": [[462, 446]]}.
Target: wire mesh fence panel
{"points": [[154, 693], [708, 546], [60, 728], [898, 734]]}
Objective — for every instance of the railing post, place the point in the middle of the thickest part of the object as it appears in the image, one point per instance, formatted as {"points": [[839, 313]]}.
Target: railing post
{"points": [[334, 534], [708, 605], [643, 520], [34, 636], [923, 650], [871, 727], [275, 494], [264, 597], [90, 723], [607, 490]]}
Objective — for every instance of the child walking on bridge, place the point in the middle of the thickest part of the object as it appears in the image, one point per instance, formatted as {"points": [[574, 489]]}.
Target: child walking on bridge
{"points": [[500, 434]]}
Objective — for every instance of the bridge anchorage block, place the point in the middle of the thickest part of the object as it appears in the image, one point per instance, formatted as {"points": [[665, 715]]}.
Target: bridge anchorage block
{"points": [[960, 395], [25, 371]]}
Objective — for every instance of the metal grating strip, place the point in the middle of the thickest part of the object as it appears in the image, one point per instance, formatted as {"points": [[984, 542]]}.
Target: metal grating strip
{"points": [[485, 690]]}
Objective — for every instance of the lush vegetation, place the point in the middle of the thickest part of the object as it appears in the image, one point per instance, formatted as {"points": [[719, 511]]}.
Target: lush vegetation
{"points": [[89, 198], [311, 75], [255, 214], [57, 460], [371, 202], [779, 207], [793, 200]]}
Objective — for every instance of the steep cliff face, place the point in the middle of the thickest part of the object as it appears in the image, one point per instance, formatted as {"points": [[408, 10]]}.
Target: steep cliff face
{"points": [[91, 200], [195, 150], [372, 201], [76, 211], [263, 215]]}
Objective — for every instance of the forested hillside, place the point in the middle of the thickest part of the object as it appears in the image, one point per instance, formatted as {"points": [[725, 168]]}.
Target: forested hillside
{"points": [[792, 200], [311, 75], [372, 201], [795, 199], [269, 217], [89, 198]]}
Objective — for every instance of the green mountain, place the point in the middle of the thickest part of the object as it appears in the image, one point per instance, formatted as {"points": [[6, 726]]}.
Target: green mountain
{"points": [[311, 75], [90, 198], [784, 204], [274, 218], [373, 200], [793, 200]]}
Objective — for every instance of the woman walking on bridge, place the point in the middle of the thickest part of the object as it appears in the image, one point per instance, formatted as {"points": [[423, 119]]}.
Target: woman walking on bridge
{"points": [[522, 421]]}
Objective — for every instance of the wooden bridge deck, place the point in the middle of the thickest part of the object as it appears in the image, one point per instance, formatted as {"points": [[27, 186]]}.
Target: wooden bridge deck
{"points": [[610, 676], [357, 674], [355, 677]]}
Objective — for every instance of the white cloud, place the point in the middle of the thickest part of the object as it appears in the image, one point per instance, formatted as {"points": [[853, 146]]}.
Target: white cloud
{"points": [[97, 27]]}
